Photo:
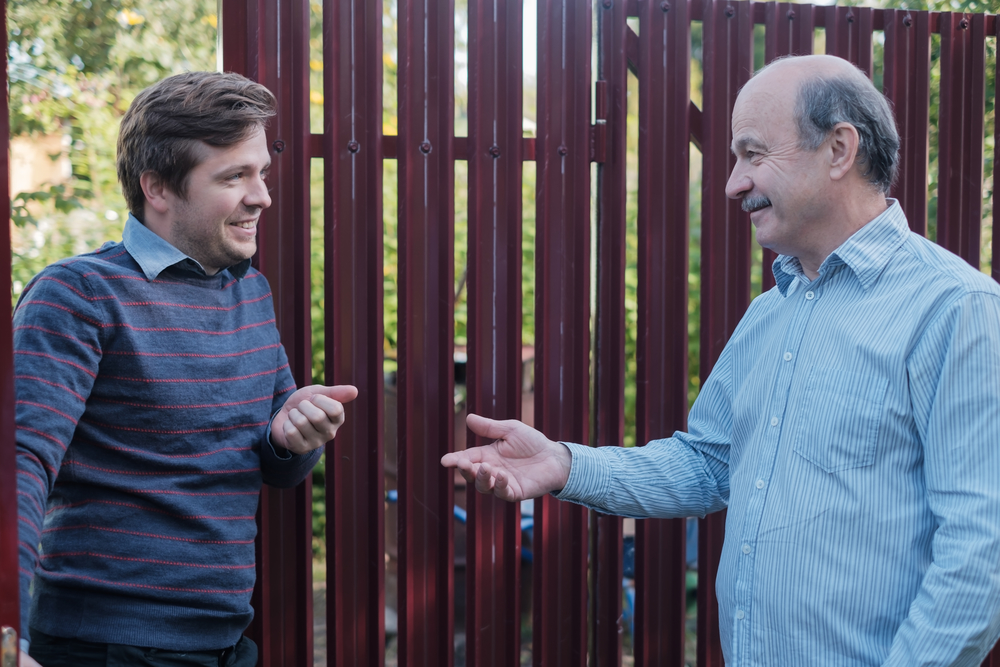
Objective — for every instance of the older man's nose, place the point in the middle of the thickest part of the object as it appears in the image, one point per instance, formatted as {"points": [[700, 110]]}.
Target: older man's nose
{"points": [[739, 183]]}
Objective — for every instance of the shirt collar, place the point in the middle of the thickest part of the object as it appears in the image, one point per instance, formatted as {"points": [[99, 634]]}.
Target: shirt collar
{"points": [[866, 252], [154, 253]]}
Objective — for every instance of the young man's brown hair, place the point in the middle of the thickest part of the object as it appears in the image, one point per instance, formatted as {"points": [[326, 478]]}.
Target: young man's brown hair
{"points": [[167, 122]]}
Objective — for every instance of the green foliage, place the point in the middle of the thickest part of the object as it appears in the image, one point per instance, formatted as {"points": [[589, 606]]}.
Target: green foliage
{"points": [[75, 66]]}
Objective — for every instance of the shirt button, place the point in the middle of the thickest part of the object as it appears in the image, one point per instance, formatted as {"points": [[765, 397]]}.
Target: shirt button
{"points": [[810, 296], [788, 356], [760, 484], [747, 549], [774, 421], [740, 614]]}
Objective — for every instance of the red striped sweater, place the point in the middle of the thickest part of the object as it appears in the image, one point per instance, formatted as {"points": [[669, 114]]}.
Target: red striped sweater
{"points": [[142, 409]]}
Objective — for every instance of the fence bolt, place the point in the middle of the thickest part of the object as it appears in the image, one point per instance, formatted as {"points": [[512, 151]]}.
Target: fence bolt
{"points": [[964, 24], [730, 12], [791, 14], [665, 6], [278, 145], [495, 151], [850, 17], [607, 4], [563, 151], [353, 146], [425, 147], [907, 21]]}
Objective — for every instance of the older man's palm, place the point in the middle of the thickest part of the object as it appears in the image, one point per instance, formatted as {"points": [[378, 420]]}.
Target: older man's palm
{"points": [[520, 463]]}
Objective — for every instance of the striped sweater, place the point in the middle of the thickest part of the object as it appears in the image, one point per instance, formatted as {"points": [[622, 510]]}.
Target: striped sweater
{"points": [[142, 413]]}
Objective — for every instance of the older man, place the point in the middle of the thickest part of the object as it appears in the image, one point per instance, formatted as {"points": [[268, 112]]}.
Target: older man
{"points": [[851, 424], [154, 397]]}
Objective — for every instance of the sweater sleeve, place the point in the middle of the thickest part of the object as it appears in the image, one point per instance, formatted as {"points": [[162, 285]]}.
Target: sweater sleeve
{"points": [[279, 466], [58, 329]]}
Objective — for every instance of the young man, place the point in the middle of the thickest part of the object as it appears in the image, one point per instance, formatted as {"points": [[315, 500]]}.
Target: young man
{"points": [[154, 397], [851, 423]]}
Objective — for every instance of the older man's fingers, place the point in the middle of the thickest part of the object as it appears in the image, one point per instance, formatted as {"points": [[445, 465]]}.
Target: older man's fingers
{"points": [[484, 478]]}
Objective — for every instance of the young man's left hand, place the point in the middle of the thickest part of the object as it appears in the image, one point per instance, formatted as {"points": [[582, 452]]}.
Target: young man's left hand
{"points": [[310, 417]]}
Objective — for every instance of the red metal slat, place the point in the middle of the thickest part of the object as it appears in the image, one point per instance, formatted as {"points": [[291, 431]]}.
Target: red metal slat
{"points": [[866, 54], [237, 30], [10, 611], [562, 320], [995, 254], [960, 164], [803, 21], [840, 34], [788, 31], [661, 354], [493, 377], [351, 144], [725, 261], [426, 331], [254, 46], [609, 388], [906, 83]]}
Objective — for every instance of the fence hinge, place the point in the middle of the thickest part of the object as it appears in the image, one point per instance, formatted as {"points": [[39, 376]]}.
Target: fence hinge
{"points": [[599, 130], [8, 647]]}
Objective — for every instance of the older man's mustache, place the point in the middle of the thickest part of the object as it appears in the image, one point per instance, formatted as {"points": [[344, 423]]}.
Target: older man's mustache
{"points": [[751, 203]]}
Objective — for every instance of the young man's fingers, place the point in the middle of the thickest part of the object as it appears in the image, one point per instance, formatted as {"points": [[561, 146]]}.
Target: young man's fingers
{"points": [[334, 409], [343, 393]]}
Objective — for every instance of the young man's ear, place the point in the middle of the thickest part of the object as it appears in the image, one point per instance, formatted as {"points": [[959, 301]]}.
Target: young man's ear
{"points": [[156, 191]]}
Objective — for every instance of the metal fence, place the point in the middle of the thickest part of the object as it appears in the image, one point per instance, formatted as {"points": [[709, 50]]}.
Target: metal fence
{"points": [[579, 360]]}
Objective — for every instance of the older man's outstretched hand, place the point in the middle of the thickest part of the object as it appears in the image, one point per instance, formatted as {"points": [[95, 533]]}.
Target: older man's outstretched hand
{"points": [[310, 417], [520, 464]]}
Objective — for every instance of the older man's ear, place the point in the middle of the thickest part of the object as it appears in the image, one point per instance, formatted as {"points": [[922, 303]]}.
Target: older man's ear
{"points": [[843, 144]]}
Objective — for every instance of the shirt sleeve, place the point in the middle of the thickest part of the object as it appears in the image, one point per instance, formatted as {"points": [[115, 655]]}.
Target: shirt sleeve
{"points": [[685, 475], [280, 467], [954, 376], [58, 326]]}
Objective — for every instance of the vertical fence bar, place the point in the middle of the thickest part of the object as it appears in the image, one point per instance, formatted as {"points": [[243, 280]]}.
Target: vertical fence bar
{"points": [[10, 610], [609, 345], [960, 144], [906, 82], [426, 331], [352, 152], [995, 254], [725, 256], [788, 30], [269, 42], [661, 345], [849, 35], [494, 326], [562, 319]]}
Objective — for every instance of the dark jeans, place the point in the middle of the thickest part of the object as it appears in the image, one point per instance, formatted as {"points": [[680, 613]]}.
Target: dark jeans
{"points": [[52, 651]]}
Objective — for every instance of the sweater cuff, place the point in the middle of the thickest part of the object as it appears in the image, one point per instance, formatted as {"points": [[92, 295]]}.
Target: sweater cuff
{"points": [[279, 452], [589, 478]]}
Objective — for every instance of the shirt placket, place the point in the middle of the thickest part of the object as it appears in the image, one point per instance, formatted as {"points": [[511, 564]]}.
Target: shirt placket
{"points": [[764, 452]]}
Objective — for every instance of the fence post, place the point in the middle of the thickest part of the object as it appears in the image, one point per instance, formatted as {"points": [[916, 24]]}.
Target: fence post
{"points": [[352, 152]]}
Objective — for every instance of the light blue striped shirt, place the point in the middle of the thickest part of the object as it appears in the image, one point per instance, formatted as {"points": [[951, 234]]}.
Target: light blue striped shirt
{"points": [[852, 428]]}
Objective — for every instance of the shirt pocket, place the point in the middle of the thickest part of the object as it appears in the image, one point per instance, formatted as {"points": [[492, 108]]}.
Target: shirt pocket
{"points": [[838, 424]]}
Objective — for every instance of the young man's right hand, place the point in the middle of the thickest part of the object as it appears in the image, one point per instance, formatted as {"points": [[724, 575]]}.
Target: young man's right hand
{"points": [[28, 661], [520, 464]]}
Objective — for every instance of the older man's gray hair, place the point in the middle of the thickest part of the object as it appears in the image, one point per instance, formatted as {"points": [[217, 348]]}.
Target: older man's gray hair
{"points": [[825, 101]]}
